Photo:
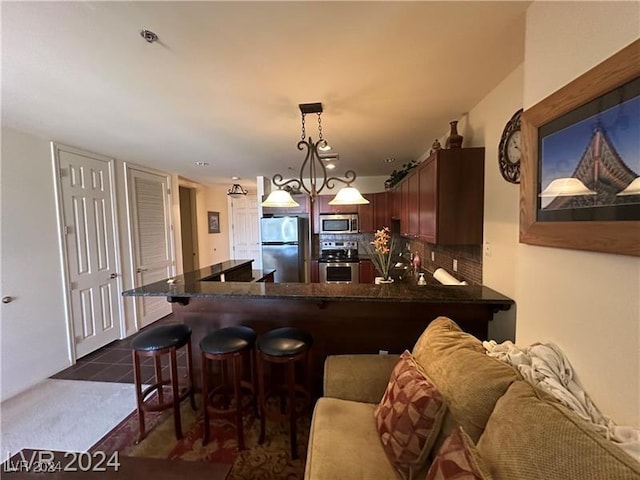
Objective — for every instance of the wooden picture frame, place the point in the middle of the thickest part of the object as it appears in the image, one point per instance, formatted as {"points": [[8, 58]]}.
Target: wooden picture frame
{"points": [[213, 220], [619, 236]]}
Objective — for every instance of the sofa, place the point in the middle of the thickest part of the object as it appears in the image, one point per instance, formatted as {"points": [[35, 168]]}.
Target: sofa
{"points": [[519, 431]]}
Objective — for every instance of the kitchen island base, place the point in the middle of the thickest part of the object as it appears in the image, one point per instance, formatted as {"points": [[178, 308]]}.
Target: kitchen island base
{"points": [[337, 327]]}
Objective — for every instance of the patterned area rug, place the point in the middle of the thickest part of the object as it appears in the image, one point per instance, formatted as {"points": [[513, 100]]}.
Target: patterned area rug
{"points": [[269, 461]]}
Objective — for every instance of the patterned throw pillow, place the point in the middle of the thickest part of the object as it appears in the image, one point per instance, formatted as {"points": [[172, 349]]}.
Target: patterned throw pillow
{"points": [[409, 417], [458, 459]]}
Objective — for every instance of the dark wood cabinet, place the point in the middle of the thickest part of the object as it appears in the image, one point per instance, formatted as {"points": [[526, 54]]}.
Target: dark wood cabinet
{"points": [[413, 203], [367, 271], [302, 199], [315, 271], [376, 214], [427, 176], [404, 208], [395, 197], [442, 200]]}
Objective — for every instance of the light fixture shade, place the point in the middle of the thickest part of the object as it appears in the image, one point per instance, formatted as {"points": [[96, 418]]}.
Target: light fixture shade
{"points": [[279, 199], [323, 146], [236, 190], [632, 189], [566, 187], [349, 196]]}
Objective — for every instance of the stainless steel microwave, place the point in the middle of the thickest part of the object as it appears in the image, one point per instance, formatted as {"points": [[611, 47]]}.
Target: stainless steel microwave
{"points": [[339, 223]]}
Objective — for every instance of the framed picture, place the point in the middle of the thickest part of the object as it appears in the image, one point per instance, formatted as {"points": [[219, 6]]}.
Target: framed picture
{"points": [[214, 222], [580, 179]]}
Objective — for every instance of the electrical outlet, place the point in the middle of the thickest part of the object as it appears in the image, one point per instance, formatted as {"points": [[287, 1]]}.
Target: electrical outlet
{"points": [[487, 249], [433, 256], [455, 265], [383, 352]]}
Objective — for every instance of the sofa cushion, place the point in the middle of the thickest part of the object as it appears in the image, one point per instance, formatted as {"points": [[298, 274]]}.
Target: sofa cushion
{"points": [[470, 381], [344, 443], [458, 458], [532, 436], [408, 417]]}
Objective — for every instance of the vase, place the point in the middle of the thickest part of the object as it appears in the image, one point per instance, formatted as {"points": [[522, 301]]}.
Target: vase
{"points": [[382, 280], [454, 140]]}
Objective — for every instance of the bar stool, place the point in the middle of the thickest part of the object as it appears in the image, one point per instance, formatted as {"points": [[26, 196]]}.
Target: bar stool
{"points": [[228, 344], [287, 345], [156, 342]]}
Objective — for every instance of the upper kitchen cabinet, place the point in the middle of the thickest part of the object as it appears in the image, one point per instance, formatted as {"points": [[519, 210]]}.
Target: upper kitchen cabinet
{"points": [[376, 214], [301, 198], [442, 201]]}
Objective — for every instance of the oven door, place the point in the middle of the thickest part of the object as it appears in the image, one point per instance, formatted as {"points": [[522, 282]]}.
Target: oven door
{"points": [[334, 272]]}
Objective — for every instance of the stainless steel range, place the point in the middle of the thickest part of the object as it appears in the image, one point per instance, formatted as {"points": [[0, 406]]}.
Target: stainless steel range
{"points": [[339, 262]]}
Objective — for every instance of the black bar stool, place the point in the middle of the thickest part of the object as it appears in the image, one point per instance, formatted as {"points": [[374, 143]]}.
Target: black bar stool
{"points": [[287, 345], [156, 342], [229, 344]]}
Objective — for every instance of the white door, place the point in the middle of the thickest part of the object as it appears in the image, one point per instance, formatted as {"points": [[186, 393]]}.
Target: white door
{"points": [[150, 226], [245, 227], [90, 247]]}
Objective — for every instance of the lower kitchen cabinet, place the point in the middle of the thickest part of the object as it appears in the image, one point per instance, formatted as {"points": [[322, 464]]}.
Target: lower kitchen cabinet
{"points": [[315, 271], [367, 271]]}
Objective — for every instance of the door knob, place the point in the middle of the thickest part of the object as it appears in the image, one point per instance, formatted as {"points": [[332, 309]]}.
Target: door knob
{"points": [[113, 275], [7, 299]]}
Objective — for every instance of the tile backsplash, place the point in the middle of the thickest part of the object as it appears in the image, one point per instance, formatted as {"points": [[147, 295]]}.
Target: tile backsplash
{"points": [[469, 257]]}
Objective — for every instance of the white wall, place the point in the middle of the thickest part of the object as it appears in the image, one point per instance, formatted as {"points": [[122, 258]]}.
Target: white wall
{"points": [[33, 329], [587, 303], [33, 335], [483, 127]]}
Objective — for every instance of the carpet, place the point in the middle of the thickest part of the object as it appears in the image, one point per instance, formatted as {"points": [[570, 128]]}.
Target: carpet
{"points": [[66, 415], [269, 461]]}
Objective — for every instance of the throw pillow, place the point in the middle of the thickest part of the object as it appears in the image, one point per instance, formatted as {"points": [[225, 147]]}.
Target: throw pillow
{"points": [[409, 416], [458, 459]]}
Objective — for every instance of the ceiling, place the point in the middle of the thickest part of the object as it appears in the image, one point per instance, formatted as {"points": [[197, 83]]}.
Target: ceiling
{"points": [[223, 83]]}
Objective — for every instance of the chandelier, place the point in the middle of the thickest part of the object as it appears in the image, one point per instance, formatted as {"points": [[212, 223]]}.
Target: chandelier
{"points": [[313, 173]]}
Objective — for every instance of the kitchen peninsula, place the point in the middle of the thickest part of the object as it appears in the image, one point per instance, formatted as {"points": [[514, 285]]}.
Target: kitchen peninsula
{"points": [[342, 318]]}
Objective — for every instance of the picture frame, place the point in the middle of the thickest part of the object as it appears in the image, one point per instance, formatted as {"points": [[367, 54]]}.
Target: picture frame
{"points": [[612, 235], [213, 220]]}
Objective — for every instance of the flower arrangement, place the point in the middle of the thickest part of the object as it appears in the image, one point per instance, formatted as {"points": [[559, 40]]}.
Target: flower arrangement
{"points": [[383, 245]]}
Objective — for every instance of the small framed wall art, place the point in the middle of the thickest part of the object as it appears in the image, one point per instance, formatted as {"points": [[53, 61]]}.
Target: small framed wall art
{"points": [[214, 222]]}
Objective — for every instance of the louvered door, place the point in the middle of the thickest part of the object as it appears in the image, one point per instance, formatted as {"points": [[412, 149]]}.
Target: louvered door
{"points": [[152, 242]]}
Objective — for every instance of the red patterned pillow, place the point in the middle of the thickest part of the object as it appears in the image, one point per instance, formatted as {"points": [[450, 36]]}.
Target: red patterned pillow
{"points": [[409, 417], [458, 459]]}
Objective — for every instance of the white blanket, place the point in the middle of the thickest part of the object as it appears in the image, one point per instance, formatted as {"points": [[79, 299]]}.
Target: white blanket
{"points": [[547, 367]]}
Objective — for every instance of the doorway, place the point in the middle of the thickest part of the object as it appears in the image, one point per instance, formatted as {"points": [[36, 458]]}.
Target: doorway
{"points": [[151, 239], [89, 247], [189, 229]]}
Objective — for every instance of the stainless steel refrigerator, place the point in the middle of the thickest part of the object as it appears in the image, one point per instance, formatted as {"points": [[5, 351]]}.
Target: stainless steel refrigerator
{"points": [[284, 247]]}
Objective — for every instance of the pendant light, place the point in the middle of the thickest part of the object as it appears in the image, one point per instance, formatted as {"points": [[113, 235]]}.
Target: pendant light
{"points": [[313, 173]]}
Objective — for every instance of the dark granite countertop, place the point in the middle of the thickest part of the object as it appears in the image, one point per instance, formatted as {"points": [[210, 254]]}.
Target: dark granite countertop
{"points": [[189, 285], [215, 270]]}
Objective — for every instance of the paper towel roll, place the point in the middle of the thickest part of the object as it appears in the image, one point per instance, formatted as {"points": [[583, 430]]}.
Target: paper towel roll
{"points": [[445, 278]]}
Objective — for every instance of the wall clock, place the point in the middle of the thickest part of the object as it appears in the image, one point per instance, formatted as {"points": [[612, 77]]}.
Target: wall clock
{"points": [[510, 150]]}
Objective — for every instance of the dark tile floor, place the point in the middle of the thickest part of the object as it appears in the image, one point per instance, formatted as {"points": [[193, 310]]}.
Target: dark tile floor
{"points": [[114, 363]]}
